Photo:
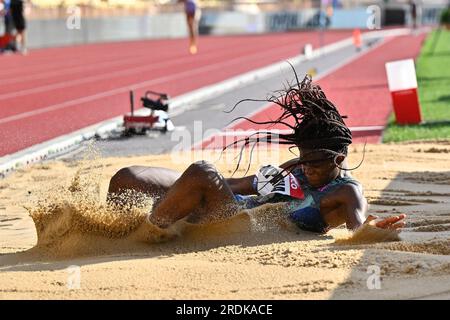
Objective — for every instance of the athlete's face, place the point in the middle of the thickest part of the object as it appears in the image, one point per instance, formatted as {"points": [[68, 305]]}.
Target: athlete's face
{"points": [[319, 167]]}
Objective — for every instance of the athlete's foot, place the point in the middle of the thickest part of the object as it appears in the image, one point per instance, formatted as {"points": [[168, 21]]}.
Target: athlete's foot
{"points": [[193, 49], [391, 223], [23, 52], [159, 222]]}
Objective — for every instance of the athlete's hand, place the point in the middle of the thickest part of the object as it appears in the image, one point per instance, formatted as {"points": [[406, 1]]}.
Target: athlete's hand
{"points": [[391, 223]]}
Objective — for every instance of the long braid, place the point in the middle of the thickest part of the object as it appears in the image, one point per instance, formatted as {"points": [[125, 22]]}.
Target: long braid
{"points": [[317, 126]]}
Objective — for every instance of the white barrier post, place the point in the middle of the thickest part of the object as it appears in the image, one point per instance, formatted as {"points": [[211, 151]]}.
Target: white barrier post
{"points": [[402, 82], [308, 51]]}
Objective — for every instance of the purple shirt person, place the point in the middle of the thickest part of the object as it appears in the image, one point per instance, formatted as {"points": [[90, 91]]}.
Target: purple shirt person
{"points": [[192, 13]]}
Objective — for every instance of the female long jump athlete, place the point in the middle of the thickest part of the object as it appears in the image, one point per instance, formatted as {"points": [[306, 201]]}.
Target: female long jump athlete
{"points": [[330, 197]]}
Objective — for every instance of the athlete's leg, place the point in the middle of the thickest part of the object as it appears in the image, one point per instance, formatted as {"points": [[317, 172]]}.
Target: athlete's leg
{"points": [[200, 193], [191, 22], [21, 41], [150, 180]]}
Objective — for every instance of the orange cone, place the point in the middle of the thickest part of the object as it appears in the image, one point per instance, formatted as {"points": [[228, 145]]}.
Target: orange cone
{"points": [[357, 41]]}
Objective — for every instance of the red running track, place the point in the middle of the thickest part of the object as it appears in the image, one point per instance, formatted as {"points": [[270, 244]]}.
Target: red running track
{"points": [[52, 92], [359, 90]]}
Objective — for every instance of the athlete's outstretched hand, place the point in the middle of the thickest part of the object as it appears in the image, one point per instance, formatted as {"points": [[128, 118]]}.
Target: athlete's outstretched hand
{"points": [[392, 223]]}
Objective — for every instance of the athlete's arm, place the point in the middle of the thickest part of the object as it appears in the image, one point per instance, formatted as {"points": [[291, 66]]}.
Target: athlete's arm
{"points": [[345, 205], [242, 185]]}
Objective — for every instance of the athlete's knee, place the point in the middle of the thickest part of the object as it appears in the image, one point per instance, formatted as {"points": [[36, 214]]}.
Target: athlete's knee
{"points": [[120, 179], [202, 166], [203, 169]]}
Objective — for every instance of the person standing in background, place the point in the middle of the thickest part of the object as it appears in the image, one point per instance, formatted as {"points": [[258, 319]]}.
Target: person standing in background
{"points": [[7, 40], [9, 26], [413, 10], [329, 11], [192, 16], [18, 18]]}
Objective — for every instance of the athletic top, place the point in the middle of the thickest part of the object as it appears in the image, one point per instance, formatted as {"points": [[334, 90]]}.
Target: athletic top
{"points": [[6, 4], [318, 193], [190, 6], [305, 213]]}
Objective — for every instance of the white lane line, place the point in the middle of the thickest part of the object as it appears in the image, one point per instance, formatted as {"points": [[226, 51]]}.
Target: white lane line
{"points": [[317, 52], [70, 70], [39, 152], [113, 62], [104, 76], [58, 69], [184, 74], [85, 80], [120, 73]]}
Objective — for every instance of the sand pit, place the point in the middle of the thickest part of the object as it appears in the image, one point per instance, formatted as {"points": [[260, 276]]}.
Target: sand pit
{"points": [[54, 215]]}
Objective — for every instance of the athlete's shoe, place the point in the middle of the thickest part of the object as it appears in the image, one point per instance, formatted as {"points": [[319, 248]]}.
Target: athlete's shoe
{"points": [[193, 49]]}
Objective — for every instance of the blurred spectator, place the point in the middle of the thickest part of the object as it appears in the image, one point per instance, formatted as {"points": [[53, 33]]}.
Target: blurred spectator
{"points": [[9, 26], [329, 11], [7, 41], [413, 10], [18, 18], [193, 16]]}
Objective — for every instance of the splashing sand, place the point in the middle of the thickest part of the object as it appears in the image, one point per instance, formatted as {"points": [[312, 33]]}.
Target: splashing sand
{"points": [[368, 234], [437, 247], [73, 220], [225, 260]]}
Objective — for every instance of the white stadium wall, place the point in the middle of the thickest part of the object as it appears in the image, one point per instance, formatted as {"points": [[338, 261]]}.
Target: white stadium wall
{"points": [[55, 32]]}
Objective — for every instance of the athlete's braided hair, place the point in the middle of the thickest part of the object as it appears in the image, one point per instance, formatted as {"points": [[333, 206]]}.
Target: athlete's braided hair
{"points": [[317, 124]]}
